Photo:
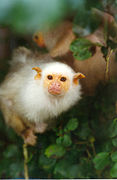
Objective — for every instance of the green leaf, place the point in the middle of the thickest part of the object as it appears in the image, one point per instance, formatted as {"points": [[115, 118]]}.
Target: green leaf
{"points": [[62, 168], [59, 140], [15, 169], [113, 171], [55, 150], [114, 142], [45, 162], [71, 125], [84, 54], [67, 140], [82, 48], [113, 128], [64, 140], [114, 156], [101, 160]]}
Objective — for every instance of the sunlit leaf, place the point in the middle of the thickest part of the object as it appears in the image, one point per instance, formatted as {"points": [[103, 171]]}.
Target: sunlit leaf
{"points": [[101, 160], [71, 125], [82, 49], [55, 150]]}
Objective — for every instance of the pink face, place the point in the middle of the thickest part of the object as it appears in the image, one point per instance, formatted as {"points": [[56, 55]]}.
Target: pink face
{"points": [[56, 84]]}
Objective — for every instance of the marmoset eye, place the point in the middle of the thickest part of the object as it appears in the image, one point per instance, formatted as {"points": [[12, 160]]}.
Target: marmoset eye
{"points": [[50, 77], [63, 79]]}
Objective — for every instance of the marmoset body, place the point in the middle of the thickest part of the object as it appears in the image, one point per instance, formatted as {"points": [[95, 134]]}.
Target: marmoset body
{"points": [[35, 91]]}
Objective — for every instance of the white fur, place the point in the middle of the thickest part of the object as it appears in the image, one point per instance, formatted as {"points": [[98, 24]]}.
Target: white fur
{"points": [[29, 96]]}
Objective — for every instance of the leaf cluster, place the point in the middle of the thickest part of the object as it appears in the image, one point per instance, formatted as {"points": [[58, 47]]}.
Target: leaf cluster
{"points": [[83, 145]]}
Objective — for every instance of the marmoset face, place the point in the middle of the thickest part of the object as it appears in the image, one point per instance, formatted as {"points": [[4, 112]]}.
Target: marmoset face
{"points": [[56, 84], [57, 78]]}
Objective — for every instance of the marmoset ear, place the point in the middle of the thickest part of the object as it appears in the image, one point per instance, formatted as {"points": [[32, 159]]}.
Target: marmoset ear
{"points": [[78, 76], [38, 70]]}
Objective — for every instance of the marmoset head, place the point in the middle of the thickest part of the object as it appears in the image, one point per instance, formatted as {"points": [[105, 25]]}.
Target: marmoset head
{"points": [[58, 78]]}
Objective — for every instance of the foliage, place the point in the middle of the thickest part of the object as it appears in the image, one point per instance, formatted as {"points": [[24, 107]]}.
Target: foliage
{"points": [[84, 142], [101, 160], [82, 48], [81, 146]]}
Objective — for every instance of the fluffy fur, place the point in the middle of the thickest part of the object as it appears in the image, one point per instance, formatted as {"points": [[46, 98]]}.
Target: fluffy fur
{"points": [[27, 98], [34, 101]]}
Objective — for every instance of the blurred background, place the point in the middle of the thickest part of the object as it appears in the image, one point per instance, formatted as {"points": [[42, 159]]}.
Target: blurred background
{"points": [[84, 143], [20, 19]]}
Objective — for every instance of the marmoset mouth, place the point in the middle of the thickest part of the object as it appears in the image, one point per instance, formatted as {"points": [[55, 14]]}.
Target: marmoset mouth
{"points": [[54, 91]]}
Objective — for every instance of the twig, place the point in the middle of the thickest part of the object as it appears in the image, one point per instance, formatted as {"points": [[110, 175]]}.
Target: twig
{"points": [[25, 152], [81, 142], [93, 148], [107, 64], [88, 153]]}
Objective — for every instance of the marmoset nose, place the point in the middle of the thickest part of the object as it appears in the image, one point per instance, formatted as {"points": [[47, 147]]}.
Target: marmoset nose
{"points": [[56, 84], [55, 88]]}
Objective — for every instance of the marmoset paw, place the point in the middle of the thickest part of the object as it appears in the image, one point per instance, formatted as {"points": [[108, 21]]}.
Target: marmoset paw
{"points": [[29, 137]]}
